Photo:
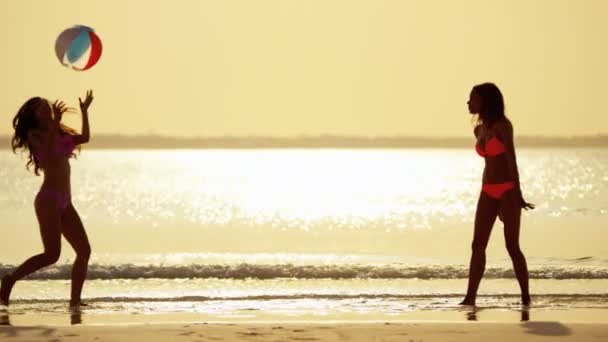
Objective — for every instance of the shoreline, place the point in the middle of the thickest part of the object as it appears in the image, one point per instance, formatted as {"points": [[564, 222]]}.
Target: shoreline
{"points": [[181, 315]]}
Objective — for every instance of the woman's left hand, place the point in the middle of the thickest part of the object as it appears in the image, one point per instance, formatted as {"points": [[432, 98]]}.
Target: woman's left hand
{"points": [[525, 205], [520, 202], [84, 105]]}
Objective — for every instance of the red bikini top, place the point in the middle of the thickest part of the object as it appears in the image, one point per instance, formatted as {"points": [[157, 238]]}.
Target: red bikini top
{"points": [[493, 148]]}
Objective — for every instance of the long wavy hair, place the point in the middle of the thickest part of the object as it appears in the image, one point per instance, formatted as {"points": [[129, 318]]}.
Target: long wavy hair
{"points": [[492, 104], [24, 121]]}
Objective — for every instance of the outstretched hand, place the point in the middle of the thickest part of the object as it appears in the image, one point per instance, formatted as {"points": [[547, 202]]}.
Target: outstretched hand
{"points": [[59, 108], [84, 105]]}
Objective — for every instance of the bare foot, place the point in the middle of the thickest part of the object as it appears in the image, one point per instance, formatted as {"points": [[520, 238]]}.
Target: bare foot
{"points": [[74, 304], [5, 289], [467, 301]]}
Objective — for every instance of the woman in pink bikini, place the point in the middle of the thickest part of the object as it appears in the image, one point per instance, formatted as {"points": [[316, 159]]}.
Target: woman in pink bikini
{"points": [[501, 193], [50, 144]]}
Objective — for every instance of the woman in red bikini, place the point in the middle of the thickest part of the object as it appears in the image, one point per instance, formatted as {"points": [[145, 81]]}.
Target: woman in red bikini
{"points": [[500, 193], [50, 144]]}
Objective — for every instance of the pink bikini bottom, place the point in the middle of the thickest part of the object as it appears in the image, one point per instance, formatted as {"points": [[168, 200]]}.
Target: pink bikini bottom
{"points": [[61, 199], [497, 190]]}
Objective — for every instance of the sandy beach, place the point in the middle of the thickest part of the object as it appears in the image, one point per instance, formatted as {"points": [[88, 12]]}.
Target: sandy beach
{"points": [[481, 324], [408, 332]]}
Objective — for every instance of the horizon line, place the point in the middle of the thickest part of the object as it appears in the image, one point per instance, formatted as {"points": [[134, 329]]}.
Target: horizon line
{"points": [[157, 141]]}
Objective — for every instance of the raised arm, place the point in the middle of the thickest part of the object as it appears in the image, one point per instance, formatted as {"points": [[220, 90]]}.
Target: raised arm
{"points": [[85, 134]]}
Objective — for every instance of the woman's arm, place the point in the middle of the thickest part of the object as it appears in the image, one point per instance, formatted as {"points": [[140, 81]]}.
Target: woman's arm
{"points": [[504, 131], [85, 134]]}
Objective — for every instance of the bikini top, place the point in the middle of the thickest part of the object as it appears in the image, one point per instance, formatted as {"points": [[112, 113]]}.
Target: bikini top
{"points": [[493, 148], [64, 146]]}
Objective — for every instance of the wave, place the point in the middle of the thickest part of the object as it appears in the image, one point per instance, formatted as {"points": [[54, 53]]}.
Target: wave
{"points": [[563, 297], [331, 271]]}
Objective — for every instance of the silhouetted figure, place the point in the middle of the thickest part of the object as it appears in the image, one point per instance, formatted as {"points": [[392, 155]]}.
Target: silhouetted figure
{"points": [[50, 144], [501, 193]]}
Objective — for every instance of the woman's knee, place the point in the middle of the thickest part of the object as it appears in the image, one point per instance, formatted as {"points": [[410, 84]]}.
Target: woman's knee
{"points": [[513, 248], [478, 247], [51, 256], [84, 251]]}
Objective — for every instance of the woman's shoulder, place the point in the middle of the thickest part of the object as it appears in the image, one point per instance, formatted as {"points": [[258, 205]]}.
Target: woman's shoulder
{"points": [[503, 128], [503, 124]]}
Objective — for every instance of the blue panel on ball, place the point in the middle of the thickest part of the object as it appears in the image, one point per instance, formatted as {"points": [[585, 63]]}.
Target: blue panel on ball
{"points": [[79, 46], [63, 42]]}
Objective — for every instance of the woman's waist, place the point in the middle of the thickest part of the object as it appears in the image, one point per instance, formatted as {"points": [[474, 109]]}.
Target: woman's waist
{"points": [[59, 170], [496, 179], [496, 176], [501, 182], [57, 187]]}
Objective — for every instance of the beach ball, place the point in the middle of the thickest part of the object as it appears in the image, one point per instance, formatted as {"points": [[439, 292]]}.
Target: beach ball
{"points": [[78, 47]]}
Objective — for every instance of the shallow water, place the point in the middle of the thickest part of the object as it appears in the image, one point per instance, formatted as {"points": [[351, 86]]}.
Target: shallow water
{"points": [[348, 229]]}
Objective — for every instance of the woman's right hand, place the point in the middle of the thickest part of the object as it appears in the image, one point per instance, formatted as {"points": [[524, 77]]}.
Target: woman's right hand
{"points": [[84, 105]]}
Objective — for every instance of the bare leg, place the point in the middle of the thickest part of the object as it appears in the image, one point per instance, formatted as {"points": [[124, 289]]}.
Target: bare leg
{"points": [[511, 213], [74, 232], [50, 231], [485, 216]]}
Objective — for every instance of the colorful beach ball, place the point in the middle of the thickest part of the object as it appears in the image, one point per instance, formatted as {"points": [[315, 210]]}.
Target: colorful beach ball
{"points": [[78, 47]]}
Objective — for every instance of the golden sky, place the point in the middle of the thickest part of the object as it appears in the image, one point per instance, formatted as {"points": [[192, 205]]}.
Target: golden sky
{"points": [[293, 67]]}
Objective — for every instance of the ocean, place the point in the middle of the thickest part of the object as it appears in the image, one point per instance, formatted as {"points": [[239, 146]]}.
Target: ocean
{"points": [[241, 234]]}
